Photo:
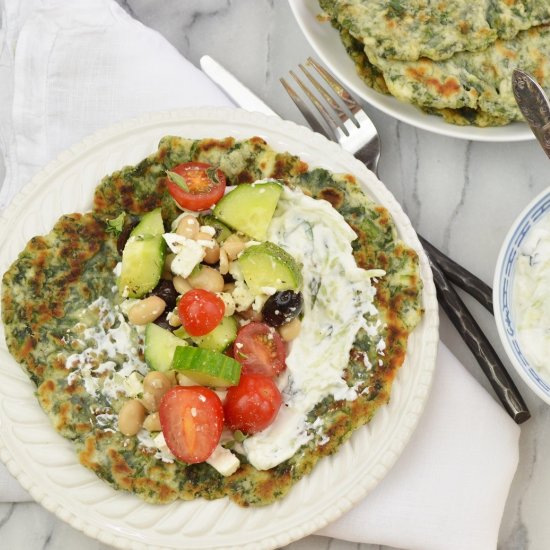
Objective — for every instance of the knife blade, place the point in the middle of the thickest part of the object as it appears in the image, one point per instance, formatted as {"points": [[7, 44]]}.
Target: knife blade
{"points": [[534, 106], [236, 91]]}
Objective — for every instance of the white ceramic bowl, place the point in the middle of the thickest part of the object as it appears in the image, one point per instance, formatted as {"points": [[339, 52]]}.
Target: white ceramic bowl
{"points": [[325, 41], [503, 293]]}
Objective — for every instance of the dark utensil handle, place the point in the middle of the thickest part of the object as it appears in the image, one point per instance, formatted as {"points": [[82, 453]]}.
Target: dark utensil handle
{"points": [[460, 276], [480, 346]]}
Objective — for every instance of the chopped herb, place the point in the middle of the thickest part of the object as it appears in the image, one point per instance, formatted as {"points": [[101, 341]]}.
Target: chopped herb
{"points": [[239, 436], [212, 174], [116, 225], [178, 180]]}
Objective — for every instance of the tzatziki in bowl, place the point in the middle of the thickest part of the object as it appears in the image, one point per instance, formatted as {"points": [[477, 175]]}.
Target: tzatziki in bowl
{"points": [[521, 294]]}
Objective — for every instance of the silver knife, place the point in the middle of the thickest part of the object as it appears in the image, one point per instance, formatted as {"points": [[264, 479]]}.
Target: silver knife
{"points": [[534, 105], [238, 92]]}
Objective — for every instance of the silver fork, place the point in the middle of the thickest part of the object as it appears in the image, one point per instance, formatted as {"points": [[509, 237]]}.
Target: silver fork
{"points": [[352, 129], [343, 120]]}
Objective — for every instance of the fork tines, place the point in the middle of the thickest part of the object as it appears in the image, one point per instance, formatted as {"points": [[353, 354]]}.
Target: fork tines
{"points": [[339, 111]]}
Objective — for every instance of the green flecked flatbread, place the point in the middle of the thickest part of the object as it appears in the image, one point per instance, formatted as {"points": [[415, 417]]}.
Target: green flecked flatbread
{"points": [[408, 30], [479, 81], [47, 293], [470, 85]]}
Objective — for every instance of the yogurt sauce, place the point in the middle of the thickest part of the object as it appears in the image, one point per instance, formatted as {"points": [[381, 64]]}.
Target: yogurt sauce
{"points": [[337, 296], [531, 296]]}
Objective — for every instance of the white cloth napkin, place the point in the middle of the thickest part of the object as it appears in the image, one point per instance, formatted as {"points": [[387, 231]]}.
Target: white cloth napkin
{"points": [[70, 68]]}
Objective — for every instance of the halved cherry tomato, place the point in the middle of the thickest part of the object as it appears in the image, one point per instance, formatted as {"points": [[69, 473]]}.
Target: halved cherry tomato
{"points": [[200, 311], [252, 405], [260, 349], [205, 185], [191, 418]]}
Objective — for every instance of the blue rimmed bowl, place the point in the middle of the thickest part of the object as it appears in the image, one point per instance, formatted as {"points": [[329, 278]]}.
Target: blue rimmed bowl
{"points": [[503, 293]]}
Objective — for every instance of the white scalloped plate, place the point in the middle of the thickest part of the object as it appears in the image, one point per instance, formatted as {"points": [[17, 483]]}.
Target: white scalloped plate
{"points": [[45, 463], [325, 40]]}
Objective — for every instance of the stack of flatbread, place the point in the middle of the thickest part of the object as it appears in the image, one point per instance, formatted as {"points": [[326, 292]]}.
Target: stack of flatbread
{"points": [[449, 57]]}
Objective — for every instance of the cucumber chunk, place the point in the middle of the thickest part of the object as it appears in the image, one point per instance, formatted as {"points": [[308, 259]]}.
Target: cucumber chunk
{"points": [[143, 257], [249, 208], [142, 265], [218, 339], [160, 345], [206, 367], [222, 231], [150, 224], [268, 265]]}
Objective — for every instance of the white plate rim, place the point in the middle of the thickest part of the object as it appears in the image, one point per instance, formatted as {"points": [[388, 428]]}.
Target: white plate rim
{"points": [[424, 342], [325, 41]]}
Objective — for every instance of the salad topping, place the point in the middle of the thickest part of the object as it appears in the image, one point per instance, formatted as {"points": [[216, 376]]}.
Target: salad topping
{"points": [[245, 319]]}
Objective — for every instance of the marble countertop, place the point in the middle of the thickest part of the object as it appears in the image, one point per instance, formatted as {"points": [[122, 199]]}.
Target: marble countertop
{"points": [[460, 195]]}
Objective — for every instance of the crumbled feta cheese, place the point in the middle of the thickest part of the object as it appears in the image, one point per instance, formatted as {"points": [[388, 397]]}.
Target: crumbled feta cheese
{"points": [[133, 385], [190, 254], [224, 461], [175, 242], [160, 443], [242, 296], [209, 230], [269, 290], [118, 269], [229, 303]]}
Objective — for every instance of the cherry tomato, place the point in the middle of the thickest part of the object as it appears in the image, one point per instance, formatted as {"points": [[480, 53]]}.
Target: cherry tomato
{"points": [[260, 349], [252, 405], [191, 418], [205, 185], [200, 311]]}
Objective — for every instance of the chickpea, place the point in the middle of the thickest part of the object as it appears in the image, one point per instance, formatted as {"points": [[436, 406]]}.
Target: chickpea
{"points": [[205, 236], [181, 285], [229, 302], [152, 422], [233, 246], [167, 269], [149, 402], [207, 278], [174, 319], [289, 331], [171, 375], [146, 310], [229, 287], [157, 384], [224, 262], [212, 255], [251, 314], [130, 417], [188, 227]]}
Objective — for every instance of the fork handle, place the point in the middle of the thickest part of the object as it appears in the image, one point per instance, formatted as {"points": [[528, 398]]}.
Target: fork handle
{"points": [[460, 276]]}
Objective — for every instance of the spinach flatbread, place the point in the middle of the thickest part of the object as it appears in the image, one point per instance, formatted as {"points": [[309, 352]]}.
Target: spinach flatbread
{"points": [[465, 82], [408, 30], [57, 295]]}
